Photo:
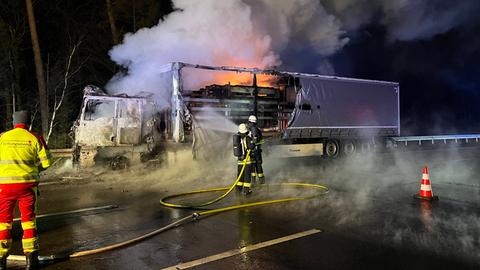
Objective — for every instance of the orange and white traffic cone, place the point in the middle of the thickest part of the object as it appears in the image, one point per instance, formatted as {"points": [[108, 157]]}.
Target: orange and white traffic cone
{"points": [[426, 192]]}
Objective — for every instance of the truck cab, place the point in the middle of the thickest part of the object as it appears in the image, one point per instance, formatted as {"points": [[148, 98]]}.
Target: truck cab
{"points": [[117, 129]]}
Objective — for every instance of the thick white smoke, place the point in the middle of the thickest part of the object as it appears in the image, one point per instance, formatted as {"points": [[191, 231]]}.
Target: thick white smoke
{"points": [[255, 33], [230, 33], [205, 32]]}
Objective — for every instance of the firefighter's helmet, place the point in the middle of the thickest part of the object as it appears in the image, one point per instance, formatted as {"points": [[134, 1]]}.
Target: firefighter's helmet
{"points": [[252, 118], [242, 128]]}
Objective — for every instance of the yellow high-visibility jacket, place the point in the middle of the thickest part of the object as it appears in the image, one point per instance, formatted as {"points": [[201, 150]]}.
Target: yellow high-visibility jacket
{"points": [[21, 155]]}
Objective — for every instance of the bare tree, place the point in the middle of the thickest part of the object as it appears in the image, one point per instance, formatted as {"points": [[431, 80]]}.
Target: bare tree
{"points": [[58, 99], [42, 88], [34, 116], [9, 69]]}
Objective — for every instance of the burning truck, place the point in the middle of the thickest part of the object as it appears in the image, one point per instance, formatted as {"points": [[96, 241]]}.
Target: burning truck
{"points": [[305, 114], [302, 114]]}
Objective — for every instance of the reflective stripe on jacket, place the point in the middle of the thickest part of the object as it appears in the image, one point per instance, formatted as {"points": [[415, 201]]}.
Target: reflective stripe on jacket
{"points": [[21, 153]]}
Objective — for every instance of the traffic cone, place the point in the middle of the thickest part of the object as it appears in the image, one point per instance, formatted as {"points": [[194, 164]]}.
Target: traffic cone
{"points": [[426, 192]]}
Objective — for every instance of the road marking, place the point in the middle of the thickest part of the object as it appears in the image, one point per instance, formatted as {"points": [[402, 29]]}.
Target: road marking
{"points": [[234, 252]]}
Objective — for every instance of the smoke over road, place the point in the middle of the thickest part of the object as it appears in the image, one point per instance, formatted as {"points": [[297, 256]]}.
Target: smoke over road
{"points": [[372, 193]]}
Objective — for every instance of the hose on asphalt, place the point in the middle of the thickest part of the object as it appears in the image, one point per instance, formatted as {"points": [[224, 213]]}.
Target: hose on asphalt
{"points": [[196, 215], [164, 202], [228, 190]]}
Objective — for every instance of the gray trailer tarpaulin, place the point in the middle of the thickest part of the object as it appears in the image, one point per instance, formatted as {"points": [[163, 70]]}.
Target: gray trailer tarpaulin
{"points": [[345, 107]]}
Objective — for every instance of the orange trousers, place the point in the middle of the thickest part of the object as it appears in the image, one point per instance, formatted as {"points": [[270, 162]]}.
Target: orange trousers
{"points": [[26, 196]]}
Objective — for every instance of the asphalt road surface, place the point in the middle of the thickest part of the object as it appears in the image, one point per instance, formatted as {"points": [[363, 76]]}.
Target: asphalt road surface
{"points": [[368, 220]]}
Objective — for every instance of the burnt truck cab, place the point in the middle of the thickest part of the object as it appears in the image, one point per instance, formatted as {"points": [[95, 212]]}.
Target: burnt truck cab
{"points": [[116, 129]]}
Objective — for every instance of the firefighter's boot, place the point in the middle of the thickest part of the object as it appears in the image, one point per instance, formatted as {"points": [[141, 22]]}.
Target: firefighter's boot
{"points": [[239, 189], [261, 180], [3, 262], [247, 191], [32, 261]]}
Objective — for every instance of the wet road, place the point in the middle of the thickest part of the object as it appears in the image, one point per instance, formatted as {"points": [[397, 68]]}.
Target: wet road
{"points": [[369, 219]]}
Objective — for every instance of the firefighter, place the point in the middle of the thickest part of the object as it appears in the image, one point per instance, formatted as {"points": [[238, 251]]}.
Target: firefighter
{"points": [[256, 135], [242, 142], [22, 156]]}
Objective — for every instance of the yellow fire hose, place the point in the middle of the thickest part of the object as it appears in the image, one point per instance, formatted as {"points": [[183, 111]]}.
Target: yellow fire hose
{"points": [[323, 190], [164, 200]]}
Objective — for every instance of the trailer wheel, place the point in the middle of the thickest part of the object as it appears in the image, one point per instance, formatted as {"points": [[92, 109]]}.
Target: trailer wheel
{"points": [[349, 148], [332, 148]]}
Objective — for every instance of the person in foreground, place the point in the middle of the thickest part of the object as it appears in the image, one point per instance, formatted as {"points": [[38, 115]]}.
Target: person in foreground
{"points": [[23, 154]]}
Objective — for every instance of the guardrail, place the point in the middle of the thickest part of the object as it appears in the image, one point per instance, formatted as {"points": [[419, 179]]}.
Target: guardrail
{"points": [[57, 153], [437, 138]]}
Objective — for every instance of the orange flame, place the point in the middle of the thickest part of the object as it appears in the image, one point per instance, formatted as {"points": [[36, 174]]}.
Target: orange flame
{"points": [[209, 77], [244, 79]]}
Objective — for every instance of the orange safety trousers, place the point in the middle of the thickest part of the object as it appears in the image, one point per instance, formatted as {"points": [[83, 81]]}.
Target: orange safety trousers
{"points": [[26, 195]]}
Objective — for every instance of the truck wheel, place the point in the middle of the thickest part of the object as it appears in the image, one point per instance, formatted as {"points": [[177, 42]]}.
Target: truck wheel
{"points": [[119, 163], [332, 148], [349, 148], [86, 157]]}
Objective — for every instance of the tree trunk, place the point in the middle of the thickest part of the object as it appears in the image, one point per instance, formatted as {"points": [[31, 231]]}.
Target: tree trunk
{"points": [[111, 20], [42, 88]]}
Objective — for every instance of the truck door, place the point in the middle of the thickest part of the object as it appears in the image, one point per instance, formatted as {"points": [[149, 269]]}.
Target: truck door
{"points": [[129, 122], [96, 126]]}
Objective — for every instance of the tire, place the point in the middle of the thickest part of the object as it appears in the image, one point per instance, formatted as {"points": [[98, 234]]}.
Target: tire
{"points": [[119, 163], [349, 148], [331, 149]]}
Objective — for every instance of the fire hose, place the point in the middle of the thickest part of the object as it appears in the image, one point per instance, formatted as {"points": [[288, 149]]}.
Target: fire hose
{"points": [[228, 190], [195, 216]]}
